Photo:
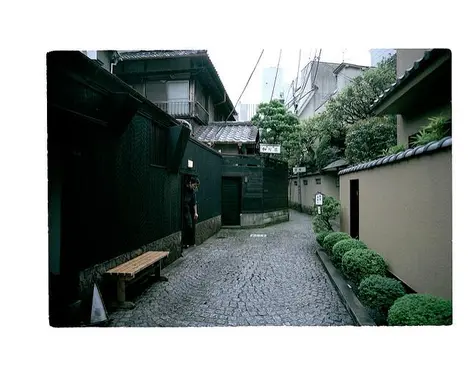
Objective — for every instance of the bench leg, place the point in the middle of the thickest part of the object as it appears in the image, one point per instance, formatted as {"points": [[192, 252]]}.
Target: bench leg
{"points": [[121, 290], [158, 269], [121, 295]]}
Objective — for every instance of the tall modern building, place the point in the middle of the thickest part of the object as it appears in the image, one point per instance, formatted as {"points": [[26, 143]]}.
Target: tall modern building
{"points": [[377, 55], [269, 75], [246, 111]]}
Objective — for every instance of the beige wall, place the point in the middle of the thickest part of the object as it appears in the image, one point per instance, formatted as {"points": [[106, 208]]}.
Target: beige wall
{"points": [[407, 126], [405, 214], [327, 187]]}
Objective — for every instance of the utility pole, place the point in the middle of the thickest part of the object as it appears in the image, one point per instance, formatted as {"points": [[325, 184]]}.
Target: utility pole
{"points": [[299, 188]]}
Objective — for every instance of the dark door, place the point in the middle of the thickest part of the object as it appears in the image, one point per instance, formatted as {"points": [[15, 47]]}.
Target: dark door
{"points": [[231, 201], [354, 208]]}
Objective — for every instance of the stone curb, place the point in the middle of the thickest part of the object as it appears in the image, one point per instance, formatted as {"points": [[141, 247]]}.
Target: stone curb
{"points": [[349, 299]]}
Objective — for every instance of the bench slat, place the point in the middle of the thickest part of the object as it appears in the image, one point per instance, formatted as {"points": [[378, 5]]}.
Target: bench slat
{"points": [[134, 266]]}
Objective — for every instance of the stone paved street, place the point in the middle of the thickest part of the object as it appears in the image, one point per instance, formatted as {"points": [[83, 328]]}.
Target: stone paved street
{"points": [[234, 279]]}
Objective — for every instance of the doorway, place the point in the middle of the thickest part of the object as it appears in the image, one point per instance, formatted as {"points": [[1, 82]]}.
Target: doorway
{"points": [[354, 208], [231, 201]]}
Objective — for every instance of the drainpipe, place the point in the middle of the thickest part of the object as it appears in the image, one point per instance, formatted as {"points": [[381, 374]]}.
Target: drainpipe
{"points": [[225, 100]]}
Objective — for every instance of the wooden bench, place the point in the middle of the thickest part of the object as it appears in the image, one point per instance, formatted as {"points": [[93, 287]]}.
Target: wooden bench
{"points": [[148, 262]]}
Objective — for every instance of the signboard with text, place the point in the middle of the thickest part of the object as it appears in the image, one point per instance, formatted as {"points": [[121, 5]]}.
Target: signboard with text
{"points": [[300, 170], [270, 148], [319, 199]]}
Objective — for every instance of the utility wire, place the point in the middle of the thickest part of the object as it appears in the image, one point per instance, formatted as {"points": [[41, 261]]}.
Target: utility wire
{"points": [[297, 78], [275, 78], [262, 51], [304, 84]]}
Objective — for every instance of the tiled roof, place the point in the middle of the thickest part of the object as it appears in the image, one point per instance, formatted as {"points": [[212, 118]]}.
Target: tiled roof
{"points": [[336, 164], [405, 155], [226, 132], [428, 57], [159, 54]]}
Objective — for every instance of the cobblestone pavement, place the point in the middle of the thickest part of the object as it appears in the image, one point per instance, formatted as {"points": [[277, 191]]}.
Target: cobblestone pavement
{"points": [[238, 279]]}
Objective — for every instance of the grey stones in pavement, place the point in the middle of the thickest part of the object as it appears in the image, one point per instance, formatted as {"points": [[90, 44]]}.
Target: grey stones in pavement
{"points": [[236, 278]]}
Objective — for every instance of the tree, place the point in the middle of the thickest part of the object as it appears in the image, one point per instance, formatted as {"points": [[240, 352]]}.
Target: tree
{"points": [[354, 102], [367, 139], [329, 213], [278, 126]]}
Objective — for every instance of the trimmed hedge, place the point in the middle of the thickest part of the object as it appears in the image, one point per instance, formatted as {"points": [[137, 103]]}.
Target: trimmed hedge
{"points": [[321, 237], [332, 239], [357, 264], [380, 292], [343, 246], [420, 309]]}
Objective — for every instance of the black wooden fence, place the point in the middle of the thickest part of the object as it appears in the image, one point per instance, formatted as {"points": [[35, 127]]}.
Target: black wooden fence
{"points": [[264, 182]]}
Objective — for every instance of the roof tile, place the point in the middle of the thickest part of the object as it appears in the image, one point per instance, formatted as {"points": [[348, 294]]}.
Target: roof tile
{"points": [[227, 132]]}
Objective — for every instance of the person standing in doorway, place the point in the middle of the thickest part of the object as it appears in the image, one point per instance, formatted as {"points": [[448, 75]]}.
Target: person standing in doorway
{"points": [[190, 214]]}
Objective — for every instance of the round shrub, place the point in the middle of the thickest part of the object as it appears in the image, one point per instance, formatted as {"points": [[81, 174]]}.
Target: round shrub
{"points": [[343, 246], [420, 309], [321, 237], [357, 264], [333, 238], [380, 292]]}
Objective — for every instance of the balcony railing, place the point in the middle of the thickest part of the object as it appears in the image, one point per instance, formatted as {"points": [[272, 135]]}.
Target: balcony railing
{"points": [[201, 113], [184, 109], [175, 108]]}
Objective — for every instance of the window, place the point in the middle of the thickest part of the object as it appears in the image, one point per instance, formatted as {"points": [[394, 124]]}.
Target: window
{"points": [[159, 144], [295, 183], [318, 181], [305, 182], [178, 97]]}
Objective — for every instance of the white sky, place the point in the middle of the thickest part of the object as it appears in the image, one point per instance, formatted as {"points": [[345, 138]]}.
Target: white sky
{"points": [[234, 72]]}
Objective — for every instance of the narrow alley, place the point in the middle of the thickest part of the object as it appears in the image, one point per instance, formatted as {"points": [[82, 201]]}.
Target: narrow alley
{"points": [[251, 277]]}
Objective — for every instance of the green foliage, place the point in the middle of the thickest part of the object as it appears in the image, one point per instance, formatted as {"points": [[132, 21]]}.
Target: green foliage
{"points": [[357, 264], [322, 138], [435, 130], [330, 211], [321, 237], [343, 246], [394, 150], [380, 292], [352, 104], [367, 139], [333, 238], [420, 309], [279, 126]]}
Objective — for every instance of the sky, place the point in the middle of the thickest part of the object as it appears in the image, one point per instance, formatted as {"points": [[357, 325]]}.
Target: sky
{"points": [[234, 72]]}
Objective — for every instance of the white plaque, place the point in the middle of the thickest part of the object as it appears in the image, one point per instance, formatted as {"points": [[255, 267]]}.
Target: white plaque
{"points": [[270, 148], [319, 199], [300, 169]]}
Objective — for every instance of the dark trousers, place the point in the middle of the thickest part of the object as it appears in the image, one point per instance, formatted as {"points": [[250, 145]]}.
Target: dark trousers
{"points": [[189, 234]]}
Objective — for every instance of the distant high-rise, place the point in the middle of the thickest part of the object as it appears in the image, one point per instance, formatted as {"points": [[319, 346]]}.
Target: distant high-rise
{"points": [[246, 111], [377, 55], [269, 75]]}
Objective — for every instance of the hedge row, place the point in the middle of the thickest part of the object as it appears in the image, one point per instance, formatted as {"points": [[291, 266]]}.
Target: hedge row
{"points": [[367, 269]]}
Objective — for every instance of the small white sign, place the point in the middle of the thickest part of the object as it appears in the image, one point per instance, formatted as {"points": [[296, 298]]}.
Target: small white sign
{"points": [[270, 148], [319, 199], [190, 163], [300, 169]]}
